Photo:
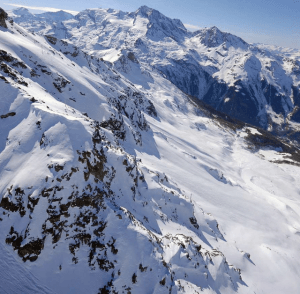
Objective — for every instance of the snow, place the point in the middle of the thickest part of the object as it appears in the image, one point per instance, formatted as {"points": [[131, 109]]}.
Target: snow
{"points": [[185, 203], [253, 131], [18, 279]]}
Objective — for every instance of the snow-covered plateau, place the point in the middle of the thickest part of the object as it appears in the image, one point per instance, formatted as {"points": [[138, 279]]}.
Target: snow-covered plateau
{"points": [[121, 171]]}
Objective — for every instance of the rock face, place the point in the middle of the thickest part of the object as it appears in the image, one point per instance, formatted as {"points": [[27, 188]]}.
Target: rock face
{"points": [[3, 18]]}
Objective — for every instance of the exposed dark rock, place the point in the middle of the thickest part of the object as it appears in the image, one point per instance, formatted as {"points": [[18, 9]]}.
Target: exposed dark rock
{"points": [[142, 269], [14, 202], [4, 79], [98, 169], [8, 205], [51, 39], [240, 105], [8, 114], [12, 73], [30, 251], [163, 281], [58, 167], [3, 18], [193, 221], [33, 73], [132, 57], [4, 56], [134, 278], [60, 83], [115, 126]]}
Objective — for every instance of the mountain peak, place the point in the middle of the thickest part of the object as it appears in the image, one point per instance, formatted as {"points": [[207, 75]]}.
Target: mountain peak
{"points": [[60, 15], [160, 22], [149, 13], [21, 11], [23, 14], [214, 37], [215, 29], [144, 10]]}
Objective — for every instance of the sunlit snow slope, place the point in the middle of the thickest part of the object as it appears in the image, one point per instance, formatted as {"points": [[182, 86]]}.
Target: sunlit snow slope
{"points": [[112, 180]]}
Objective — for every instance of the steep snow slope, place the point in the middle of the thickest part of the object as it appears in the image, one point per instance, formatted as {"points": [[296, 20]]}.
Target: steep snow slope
{"points": [[113, 180], [257, 86]]}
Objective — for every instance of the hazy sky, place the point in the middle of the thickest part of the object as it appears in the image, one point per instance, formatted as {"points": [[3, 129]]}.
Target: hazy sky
{"points": [[263, 21]]}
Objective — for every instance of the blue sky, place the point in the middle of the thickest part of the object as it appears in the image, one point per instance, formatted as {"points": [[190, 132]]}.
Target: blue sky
{"points": [[264, 21]]}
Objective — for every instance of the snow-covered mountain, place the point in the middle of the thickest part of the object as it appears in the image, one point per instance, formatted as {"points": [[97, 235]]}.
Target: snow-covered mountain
{"points": [[250, 83], [23, 15], [113, 180], [42, 22]]}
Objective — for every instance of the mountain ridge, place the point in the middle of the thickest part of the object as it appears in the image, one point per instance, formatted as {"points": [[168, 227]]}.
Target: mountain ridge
{"points": [[248, 83]]}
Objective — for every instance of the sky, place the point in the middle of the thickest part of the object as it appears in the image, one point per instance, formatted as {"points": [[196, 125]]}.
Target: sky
{"points": [[274, 22]]}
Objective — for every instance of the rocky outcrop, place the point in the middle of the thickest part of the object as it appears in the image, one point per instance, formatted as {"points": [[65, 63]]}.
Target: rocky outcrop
{"points": [[3, 17]]}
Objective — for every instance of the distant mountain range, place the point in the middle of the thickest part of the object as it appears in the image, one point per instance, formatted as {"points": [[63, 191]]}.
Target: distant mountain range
{"points": [[254, 84]]}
